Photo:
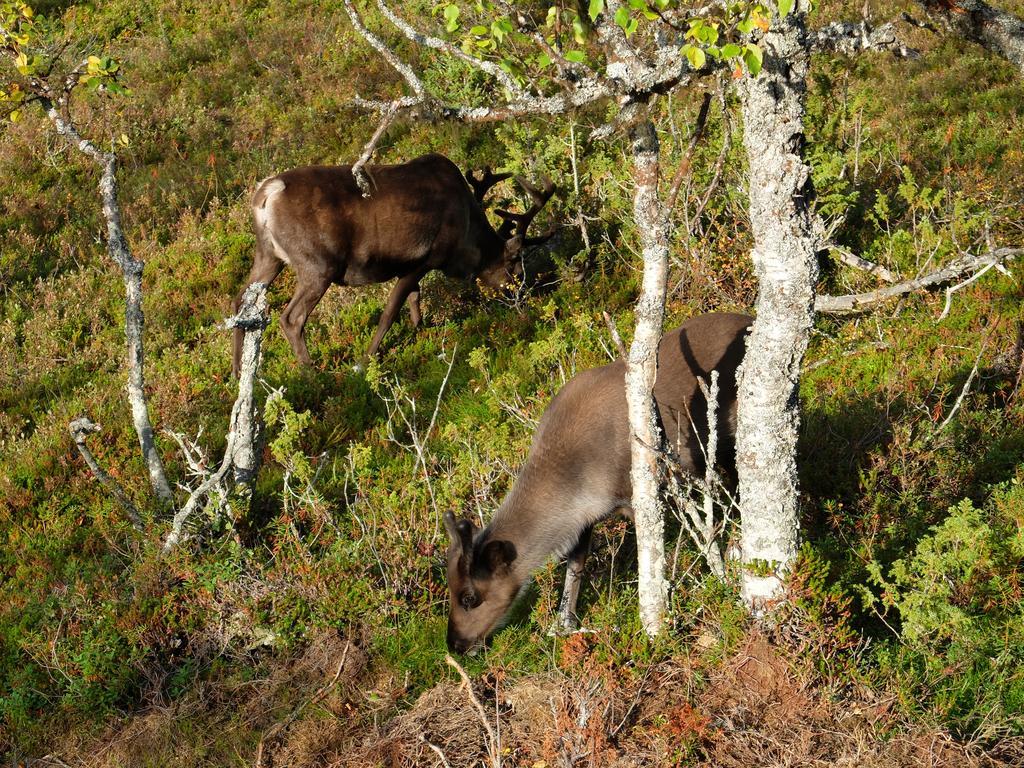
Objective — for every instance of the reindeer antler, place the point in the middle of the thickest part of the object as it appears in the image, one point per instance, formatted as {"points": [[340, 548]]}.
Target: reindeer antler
{"points": [[483, 185], [518, 223]]}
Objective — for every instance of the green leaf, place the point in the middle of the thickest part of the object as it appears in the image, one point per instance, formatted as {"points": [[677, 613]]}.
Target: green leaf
{"points": [[695, 56], [596, 6], [500, 28], [575, 56], [785, 6], [753, 57], [622, 17], [451, 15], [579, 34], [745, 25], [479, 30], [730, 51]]}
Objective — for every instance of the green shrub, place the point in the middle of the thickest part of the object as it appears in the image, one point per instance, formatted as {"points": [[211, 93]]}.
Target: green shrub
{"points": [[959, 607]]}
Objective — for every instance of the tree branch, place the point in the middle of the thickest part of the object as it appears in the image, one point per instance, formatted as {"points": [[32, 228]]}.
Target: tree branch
{"points": [[362, 179], [861, 302], [389, 56], [851, 259], [131, 269], [684, 166], [492, 69], [240, 452], [850, 39], [80, 429]]}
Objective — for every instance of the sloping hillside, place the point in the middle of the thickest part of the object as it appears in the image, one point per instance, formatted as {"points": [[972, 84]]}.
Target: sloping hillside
{"points": [[311, 631]]}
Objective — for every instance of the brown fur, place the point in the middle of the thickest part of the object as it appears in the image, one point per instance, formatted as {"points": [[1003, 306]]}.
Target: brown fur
{"points": [[420, 216], [577, 472]]}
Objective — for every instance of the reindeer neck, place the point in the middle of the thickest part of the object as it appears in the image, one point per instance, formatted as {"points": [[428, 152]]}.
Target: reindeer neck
{"points": [[541, 517]]}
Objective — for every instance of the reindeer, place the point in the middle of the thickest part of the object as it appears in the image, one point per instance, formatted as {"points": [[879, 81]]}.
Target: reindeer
{"points": [[577, 473], [420, 216]]}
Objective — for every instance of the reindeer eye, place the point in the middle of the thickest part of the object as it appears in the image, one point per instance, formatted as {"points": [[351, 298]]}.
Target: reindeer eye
{"points": [[469, 601]]}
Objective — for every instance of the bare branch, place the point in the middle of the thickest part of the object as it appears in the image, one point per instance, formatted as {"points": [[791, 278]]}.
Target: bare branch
{"points": [[716, 174], [276, 728], [850, 39], [80, 429], [684, 166], [583, 93], [253, 317], [492, 69], [131, 268], [240, 452], [853, 260], [389, 56], [493, 744], [616, 339], [965, 390], [362, 179], [860, 302]]}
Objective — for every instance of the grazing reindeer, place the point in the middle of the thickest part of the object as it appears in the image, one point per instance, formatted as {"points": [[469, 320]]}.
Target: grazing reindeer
{"points": [[577, 473], [420, 216]]}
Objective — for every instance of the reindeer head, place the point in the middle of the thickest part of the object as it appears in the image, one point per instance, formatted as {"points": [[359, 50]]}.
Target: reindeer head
{"points": [[499, 272], [481, 584]]}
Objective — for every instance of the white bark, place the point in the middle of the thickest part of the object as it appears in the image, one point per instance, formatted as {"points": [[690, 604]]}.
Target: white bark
{"points": [[131, 269], [785, 242], [850, 39], [252, 318], [968, 265], [80, 429], [641, 371], [242, 450]]}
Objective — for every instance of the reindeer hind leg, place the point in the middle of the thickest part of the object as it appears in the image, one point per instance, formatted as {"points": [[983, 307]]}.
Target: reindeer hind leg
{"points": [[310, 288]]}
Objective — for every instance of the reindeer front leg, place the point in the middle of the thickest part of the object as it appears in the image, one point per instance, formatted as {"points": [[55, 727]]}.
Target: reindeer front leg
{"points": [[414, 306], [405, 286], [567, 619]]}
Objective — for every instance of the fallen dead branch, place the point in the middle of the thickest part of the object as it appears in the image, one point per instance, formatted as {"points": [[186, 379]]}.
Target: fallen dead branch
{"points": [[974, 266], [493, 743], [80, 429]]}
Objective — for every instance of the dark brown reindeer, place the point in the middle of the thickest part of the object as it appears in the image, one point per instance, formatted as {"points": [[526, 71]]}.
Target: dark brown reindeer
{"points": [[421, 215], [577, 473]]}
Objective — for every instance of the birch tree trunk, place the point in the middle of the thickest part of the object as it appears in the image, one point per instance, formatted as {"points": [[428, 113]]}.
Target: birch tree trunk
{"points": [[641, 371], [786, 265]]}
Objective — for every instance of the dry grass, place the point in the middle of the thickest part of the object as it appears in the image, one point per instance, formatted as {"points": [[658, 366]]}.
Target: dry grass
{"points": [[760, 707]]}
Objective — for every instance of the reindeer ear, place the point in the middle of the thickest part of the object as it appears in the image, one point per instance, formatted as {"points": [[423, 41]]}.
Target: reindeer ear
{"points": [[450, 526], [461, 531], [499, 555]]}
